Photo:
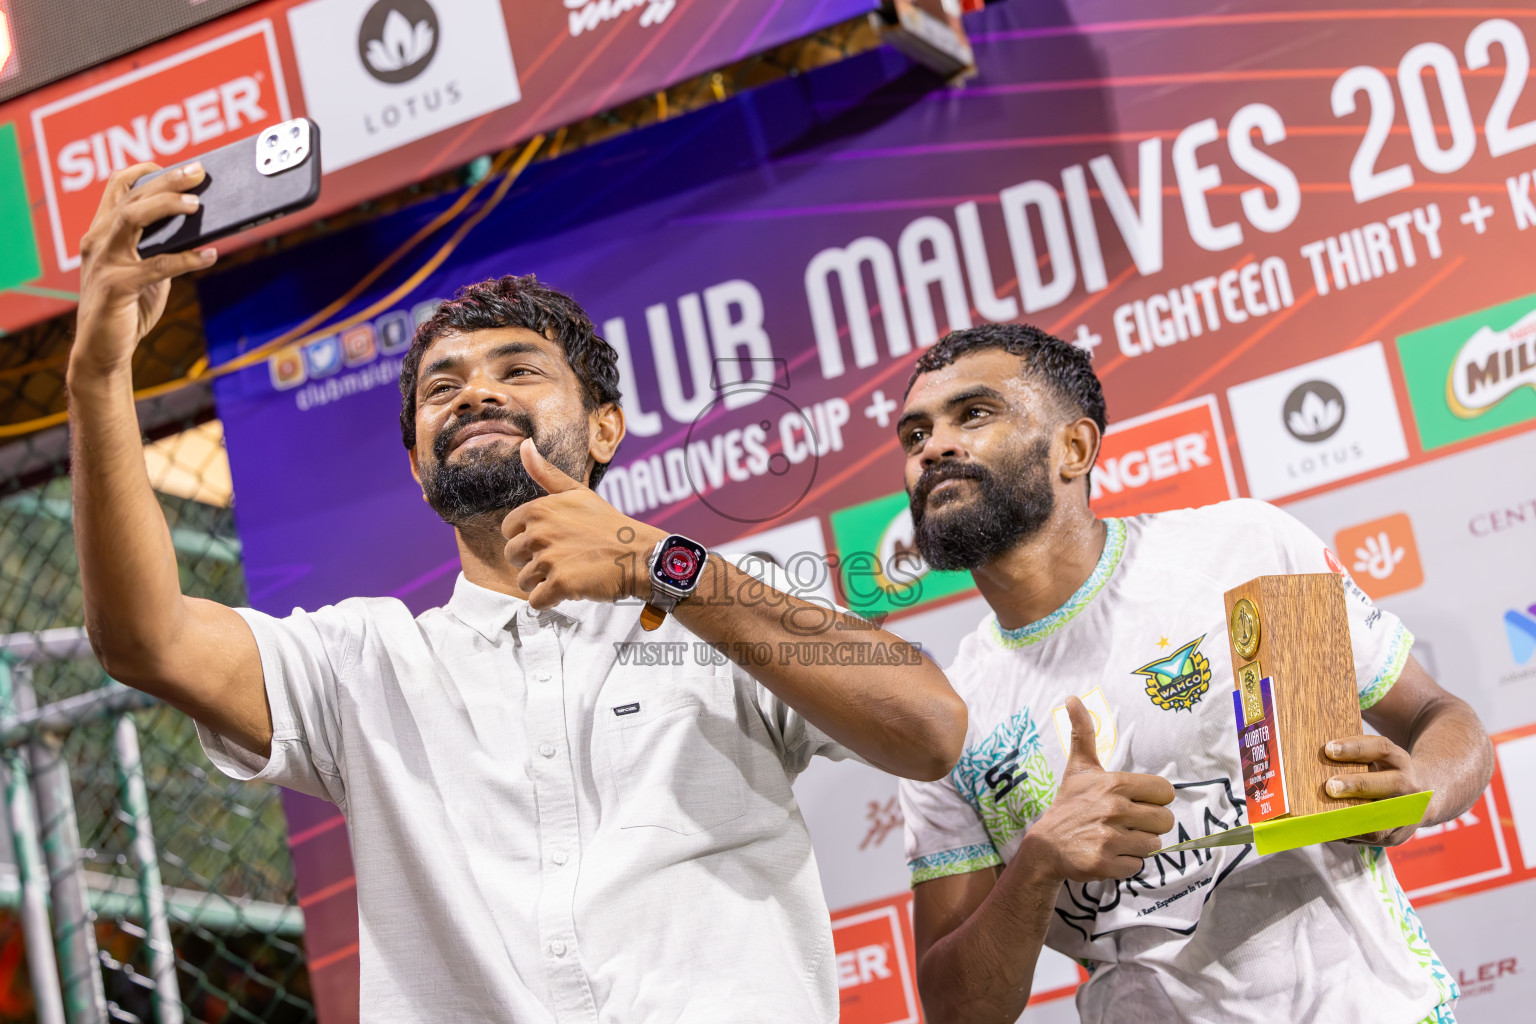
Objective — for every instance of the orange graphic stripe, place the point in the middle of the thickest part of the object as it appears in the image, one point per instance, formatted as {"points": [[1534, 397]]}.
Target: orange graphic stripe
{"points": [[321, 895], [1195, 383], [1413, 296], [314, 830], [320, 963]]}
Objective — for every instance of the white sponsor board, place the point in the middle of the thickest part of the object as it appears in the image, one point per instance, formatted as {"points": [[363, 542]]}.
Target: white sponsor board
{"points": [[1476, 527], [1317, 423], [378, 74]]}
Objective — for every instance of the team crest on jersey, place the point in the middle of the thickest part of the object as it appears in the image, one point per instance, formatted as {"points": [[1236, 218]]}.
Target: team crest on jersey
{"points": [[1006, 778], [1177, 682]]}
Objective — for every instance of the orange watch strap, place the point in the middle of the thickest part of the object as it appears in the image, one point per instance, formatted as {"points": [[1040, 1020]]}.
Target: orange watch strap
{"points": [[651, 617]]}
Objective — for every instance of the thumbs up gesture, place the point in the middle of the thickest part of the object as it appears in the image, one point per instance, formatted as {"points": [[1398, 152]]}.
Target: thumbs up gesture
{"points": [[1101, 824], [573, 545]]}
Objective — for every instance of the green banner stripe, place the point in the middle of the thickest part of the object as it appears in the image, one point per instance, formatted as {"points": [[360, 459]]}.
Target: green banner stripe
{"points": [[19, 261]]}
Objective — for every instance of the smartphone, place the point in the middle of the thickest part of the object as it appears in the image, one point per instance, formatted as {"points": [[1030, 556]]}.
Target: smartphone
{"points": [[249, 182]]}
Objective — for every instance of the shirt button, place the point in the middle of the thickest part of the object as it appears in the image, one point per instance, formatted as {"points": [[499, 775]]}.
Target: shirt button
{"points": [[559, 857], [557, 947], [547, 749], [543, 677]]}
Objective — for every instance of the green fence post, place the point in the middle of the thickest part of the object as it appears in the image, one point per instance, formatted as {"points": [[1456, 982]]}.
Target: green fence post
{"points": [[74, 923], [135, 798], [42, 966]]}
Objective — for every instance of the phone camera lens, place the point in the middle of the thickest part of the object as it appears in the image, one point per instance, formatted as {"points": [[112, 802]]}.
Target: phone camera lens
{"points": [[294, 131], [271, 140]]}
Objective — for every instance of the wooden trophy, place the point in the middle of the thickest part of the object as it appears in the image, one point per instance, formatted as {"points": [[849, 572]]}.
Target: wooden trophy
{"points": [[1294, 674]]}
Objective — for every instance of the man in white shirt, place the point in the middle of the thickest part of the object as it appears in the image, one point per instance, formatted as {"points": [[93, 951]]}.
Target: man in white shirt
{"points": [[544, 830], [1043, 834]]}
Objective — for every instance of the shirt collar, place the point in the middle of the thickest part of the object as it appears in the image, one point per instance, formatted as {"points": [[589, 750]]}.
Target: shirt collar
{"points": [[1035, 632], [489, 613]]}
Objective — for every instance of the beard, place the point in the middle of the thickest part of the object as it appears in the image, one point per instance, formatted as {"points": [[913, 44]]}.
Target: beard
{"points": [[1009, 505], [486, 483]]}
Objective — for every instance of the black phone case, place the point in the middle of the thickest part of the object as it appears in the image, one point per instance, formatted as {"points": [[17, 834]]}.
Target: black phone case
{"points": [[235, 196]]}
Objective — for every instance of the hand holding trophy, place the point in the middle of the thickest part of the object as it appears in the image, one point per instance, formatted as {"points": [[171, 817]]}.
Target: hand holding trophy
{"points": [[1295, 699]]}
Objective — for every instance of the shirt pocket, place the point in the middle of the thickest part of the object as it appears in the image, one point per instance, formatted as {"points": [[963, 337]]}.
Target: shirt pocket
{"points": [[676, 756]]}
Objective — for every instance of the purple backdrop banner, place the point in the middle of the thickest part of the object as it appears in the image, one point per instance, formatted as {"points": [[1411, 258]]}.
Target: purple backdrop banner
{"points": [[1225, 204]]}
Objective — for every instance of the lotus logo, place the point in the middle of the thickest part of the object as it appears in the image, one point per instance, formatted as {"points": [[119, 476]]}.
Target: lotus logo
{"points": [[1314, 411], [398, 39]]}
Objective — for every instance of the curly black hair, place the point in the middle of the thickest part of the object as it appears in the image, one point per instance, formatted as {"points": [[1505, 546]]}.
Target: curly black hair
{"points": [[513, 301], [1067, 369]]}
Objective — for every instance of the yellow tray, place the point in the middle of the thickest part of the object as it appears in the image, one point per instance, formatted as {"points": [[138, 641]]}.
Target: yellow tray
{"points": [[1289, 833]]}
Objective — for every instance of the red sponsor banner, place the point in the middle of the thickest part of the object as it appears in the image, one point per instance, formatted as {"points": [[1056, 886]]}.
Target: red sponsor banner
{"points": [[173, 109], [1482, 849], [876, 964], [1172, 458], [1455, 853]]}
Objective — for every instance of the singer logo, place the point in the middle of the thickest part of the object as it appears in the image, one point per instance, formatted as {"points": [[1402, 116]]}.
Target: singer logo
{"points": [[875, 984], [1173, 458], [174, 109], [1460, 852]]}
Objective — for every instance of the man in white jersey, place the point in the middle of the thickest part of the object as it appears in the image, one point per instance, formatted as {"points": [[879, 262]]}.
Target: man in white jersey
{"points": [[1100, 732], [558, 812]]}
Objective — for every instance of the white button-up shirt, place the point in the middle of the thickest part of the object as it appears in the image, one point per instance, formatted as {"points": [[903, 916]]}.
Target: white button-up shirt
{"points": [[544, 829]]}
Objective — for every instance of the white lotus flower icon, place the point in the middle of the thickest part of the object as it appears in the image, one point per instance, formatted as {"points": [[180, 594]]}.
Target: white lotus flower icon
{"points": [[401, 45], [1316, 415]]}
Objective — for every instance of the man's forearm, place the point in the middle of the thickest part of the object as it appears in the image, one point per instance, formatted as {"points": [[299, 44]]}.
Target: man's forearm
{"points": [[1452, 756], [133, 602], [901, 714], [981, 972]]}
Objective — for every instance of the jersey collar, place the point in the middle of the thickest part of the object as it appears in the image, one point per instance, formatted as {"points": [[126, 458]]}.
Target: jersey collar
{"points": [[1040, 629]]}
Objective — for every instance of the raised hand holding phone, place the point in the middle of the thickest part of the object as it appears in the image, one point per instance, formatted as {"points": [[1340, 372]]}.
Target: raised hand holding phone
{"points": [[246, 183], [122, 294]]}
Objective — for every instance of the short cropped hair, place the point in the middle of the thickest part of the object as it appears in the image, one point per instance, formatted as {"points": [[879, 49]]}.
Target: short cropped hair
{"points": [[1066, 369], [513, 301]]}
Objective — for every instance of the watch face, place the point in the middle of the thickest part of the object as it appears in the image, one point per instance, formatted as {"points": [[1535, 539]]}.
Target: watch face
{"points": [[679, 564]]}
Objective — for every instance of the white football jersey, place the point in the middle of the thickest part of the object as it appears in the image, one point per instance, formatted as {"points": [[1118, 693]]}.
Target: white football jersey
{"points": [[1322, 933]]}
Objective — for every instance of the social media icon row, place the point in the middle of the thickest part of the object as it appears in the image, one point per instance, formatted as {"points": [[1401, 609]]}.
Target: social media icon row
{"points": [[388, 335]]}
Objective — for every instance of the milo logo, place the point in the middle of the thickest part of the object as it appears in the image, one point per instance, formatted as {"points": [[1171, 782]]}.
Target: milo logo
{"points": [[1491, 366], [1474, 374]]}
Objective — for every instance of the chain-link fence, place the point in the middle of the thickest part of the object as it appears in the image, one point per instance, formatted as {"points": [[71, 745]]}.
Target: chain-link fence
{"points": [[168, 848], [220, 847]]}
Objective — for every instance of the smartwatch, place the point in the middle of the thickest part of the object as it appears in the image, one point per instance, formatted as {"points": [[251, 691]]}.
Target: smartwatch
{"points": [[676, 564]]}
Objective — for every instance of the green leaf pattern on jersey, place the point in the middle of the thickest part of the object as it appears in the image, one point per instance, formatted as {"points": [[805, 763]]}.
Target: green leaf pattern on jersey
{"points": [[1006, 778], [1407, 920], [1397, 656], [1039, 790]]}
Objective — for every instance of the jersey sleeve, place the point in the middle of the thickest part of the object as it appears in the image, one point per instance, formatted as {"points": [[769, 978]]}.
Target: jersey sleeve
{"points": [[302, 657], [944, 834], [1380, 640]]}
